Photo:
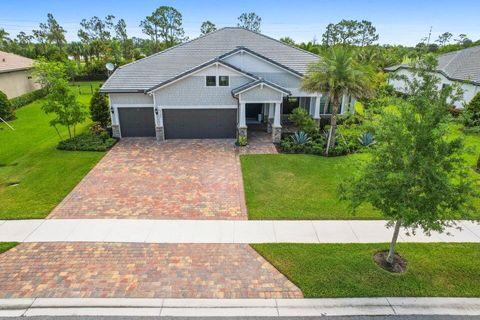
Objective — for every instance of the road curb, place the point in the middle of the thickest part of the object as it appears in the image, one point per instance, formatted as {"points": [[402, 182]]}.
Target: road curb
{"points": [[238, 307]]}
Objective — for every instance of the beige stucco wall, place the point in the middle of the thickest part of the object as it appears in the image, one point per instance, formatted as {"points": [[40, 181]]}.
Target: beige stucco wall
{"points": [[16, 83]]}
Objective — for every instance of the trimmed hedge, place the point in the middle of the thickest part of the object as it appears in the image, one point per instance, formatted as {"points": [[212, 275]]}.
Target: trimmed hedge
{"points": [[27, 98], [88, 142]]}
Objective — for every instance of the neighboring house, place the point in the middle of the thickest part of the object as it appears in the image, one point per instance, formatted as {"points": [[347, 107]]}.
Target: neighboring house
{"points": [[15, 78], [462, 67], [213, 87]]}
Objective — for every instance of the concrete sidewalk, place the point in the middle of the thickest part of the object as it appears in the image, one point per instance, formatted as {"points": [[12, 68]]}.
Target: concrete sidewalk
{"points": [[219, 231], [239, 307]]}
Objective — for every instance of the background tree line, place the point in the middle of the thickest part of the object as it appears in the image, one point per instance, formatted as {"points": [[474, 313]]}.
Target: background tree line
{"points": [[105, 39]]}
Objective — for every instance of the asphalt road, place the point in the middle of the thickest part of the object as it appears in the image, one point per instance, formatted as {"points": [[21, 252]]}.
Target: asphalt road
{"points": [[423, 317]]}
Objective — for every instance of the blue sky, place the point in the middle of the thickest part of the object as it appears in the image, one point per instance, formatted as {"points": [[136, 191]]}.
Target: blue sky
{"points": [[398, 22]]}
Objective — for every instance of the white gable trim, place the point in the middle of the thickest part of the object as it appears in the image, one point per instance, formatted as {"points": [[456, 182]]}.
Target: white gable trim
{"points": [[262, 59], [216, 63], [261, 84]]}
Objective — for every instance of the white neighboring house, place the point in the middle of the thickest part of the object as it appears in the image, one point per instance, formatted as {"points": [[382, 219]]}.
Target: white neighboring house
{"points": [[15, 78], [462, 67], [214, 86]]}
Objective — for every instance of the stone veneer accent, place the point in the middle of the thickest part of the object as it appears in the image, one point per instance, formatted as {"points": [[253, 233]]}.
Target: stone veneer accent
{"points": [[160, 133], [276, 134], [242, 132], [116, 131]]}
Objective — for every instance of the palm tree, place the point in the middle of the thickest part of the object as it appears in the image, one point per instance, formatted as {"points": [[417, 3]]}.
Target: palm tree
{"points": [[338, 73]]}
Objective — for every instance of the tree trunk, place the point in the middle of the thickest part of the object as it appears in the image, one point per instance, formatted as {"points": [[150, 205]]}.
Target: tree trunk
{"points": [[333, 125], [58, 132], [391, 252]]}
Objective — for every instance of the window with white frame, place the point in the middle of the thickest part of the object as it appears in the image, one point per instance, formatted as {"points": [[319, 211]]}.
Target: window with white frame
{"points": [[223, 81], [211, 81]]}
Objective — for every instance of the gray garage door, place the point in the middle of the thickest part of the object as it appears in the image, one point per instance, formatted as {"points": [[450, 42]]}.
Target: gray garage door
{"points": [[136, 122], [199, 123]]}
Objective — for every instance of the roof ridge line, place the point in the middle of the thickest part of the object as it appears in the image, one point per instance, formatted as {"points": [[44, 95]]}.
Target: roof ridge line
{"points": [[173, 47], [285, 44]]}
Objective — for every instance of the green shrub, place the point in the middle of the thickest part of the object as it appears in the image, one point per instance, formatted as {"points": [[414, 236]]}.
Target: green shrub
{"points": [[242, 141], [314, 145], [99, 108], [27, 98], [6, 110], [472, 112], [303, 121], [478, 164], [88, 142]]}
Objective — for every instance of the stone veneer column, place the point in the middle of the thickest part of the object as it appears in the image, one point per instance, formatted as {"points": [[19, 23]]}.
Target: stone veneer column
{"points": [[116, 131], [242, 123], [160, 133], [271, 111]]}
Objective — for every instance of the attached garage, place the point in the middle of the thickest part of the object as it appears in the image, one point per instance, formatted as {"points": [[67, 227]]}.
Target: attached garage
{"points": [[136, 122], [199, 123]]}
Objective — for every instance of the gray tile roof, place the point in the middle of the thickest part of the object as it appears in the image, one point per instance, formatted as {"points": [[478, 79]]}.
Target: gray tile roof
{"points": [[462, 65], [151, 71]]}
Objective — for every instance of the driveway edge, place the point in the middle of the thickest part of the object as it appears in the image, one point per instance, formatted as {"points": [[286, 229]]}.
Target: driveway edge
{"points": [[239, 307]]}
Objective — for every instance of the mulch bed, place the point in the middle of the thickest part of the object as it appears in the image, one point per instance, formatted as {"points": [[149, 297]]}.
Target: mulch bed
{"points": [[399, 265]]}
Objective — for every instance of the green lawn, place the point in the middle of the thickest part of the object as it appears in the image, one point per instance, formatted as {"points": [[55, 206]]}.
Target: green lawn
{"points": [[301, 186], [4, 246], [348, 270], [28, 157]]}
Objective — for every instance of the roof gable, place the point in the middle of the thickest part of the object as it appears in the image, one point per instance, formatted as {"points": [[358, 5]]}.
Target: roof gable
{"points": [[259, 83], [198, 69], [236, 56]]}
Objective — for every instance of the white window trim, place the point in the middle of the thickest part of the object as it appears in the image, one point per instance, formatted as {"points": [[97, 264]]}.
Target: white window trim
{"points": [[218, 81]]}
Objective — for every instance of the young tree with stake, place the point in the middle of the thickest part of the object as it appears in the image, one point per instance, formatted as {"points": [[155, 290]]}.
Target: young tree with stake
{"points": [[417, 177]]}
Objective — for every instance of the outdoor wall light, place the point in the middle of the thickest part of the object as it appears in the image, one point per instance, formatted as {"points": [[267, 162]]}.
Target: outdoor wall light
{"points": [[156, 111], [111, 109]]}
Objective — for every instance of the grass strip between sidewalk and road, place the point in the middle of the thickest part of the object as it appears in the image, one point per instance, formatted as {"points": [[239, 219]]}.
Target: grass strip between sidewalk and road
{"points": [[348, 270]]}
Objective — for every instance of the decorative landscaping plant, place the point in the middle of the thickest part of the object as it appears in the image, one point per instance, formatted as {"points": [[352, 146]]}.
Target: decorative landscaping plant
{"points": [[99, 108], [242, 141], [88, 142], [471, 114], [6, 110]]}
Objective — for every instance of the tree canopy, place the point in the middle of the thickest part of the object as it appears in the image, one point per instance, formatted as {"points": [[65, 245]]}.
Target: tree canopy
{"points": [[250, 21], [417, 177], [207, 27]]}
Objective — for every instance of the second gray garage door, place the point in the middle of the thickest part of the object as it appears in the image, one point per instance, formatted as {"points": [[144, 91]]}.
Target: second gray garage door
{"points": [[199, 123]]}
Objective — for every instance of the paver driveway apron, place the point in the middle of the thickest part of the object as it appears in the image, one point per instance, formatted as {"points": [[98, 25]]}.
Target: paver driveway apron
{"points": [[176, 179]]}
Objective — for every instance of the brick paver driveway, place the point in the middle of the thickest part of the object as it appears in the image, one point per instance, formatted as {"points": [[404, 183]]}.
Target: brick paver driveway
{"points": [[137, 270], [140, 178], [176, 179]]}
